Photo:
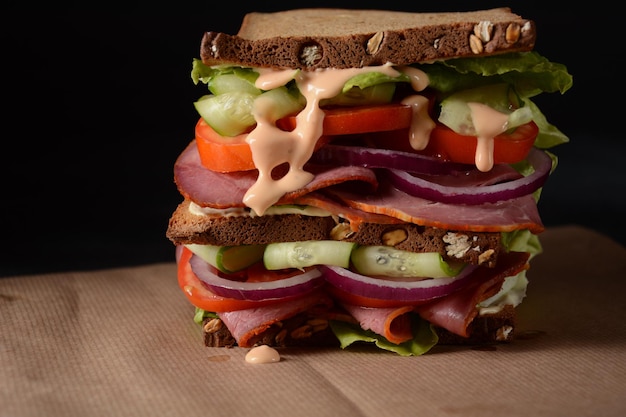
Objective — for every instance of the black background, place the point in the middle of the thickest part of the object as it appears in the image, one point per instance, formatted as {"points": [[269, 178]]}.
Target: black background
{"points": [[97, 105]]}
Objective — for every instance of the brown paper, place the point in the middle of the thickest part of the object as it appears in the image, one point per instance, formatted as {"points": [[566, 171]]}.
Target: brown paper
{"points": [[122, 342]]}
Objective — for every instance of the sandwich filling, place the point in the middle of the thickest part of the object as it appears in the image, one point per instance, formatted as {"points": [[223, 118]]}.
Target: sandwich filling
{"points": [[393, 204]]}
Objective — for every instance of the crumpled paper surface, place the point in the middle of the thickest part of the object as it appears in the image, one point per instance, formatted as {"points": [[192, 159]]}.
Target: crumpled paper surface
{"points": [[122, 342]]}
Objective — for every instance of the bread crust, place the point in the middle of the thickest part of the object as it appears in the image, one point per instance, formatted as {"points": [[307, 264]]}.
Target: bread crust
{"points": [[311, 39]]}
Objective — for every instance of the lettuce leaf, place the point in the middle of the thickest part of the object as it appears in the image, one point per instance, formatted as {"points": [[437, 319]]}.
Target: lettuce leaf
{"points": [[522, 241], [424, 337], [529, 72], [201, 72]]}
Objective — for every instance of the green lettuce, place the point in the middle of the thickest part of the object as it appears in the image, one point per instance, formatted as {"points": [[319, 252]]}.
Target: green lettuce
{"points": [[522, 241], [424, 337], [529, 72]]}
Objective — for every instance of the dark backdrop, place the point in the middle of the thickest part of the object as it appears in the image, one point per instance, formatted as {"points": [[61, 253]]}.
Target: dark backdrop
{"points": [[97, 105]]}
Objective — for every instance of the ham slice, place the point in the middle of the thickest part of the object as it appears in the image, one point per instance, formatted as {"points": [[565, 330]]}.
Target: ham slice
{"points": [[456, 311], [223, 190], [355, 216], [392, 323], [504, 216], [245, 324]]}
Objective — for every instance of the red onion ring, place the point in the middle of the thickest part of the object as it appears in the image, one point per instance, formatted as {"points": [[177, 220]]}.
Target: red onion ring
{"points": [[255, 291], [540, 161], [402, 291], [385, 158]]}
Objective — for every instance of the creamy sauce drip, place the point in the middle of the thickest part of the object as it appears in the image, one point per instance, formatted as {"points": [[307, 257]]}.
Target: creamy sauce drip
{"points": [[272, 146], [488, 124], [421, 123], [262, 354]]}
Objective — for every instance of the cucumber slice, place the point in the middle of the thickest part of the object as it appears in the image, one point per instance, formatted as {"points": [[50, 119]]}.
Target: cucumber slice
{"points": [[282, 103], [229, 114], [457, 115], [376, 94], [302, 254], [229, 259], [390, 262], [230, 83]]}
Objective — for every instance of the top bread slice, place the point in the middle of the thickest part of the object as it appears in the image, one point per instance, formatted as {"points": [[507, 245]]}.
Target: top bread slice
{"points": [[317, 38]]}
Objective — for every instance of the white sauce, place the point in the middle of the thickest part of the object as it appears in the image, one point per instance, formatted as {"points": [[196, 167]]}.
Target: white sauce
{"points": [[262, 354]]}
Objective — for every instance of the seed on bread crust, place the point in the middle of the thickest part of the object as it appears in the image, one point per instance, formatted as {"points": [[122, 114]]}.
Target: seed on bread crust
{"points": [[512, 33], [373, 44], [311, 54], [341, 231], [476, 45], [213, 325], [302, 332], [484, 30], [504, 333], [485, 256], [394, 237], [317, 324], [280, 337]]}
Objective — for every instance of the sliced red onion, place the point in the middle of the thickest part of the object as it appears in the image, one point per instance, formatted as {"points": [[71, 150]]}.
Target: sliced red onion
{"points": [[419, 187], [255, 291], [399, 290], [384, 158]]}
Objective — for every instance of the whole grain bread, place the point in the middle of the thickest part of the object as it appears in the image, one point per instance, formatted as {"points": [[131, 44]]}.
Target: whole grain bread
{"points": [[186, 227], [345, 38]]}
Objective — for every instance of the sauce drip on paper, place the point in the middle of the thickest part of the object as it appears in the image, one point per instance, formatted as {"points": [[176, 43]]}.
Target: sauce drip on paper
{"points": [[262, 354]]}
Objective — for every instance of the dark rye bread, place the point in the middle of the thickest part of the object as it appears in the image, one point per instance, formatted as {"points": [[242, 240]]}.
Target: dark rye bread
{"points": [[344, 38], [186, 227], [305, 330]]}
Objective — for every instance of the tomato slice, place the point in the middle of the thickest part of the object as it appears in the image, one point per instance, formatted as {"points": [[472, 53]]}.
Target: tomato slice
{"points": [[448, 145], [220, 153], [507, 148], [200, 296], [363, 119], [228, 154], [358, 300]]}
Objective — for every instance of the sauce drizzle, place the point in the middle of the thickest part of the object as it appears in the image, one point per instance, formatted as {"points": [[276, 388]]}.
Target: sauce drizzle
{"points": [[272, 146], [488, 124]]}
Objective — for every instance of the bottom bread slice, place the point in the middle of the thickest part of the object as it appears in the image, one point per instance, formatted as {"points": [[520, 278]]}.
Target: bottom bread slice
{"points": [[306, 330]]}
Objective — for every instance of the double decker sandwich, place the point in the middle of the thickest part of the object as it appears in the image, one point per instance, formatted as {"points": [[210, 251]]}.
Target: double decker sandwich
{"points": [[364, 176]]}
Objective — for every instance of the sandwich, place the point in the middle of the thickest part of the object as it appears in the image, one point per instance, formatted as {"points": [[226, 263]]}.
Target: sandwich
{"points": [[364, 176]]}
